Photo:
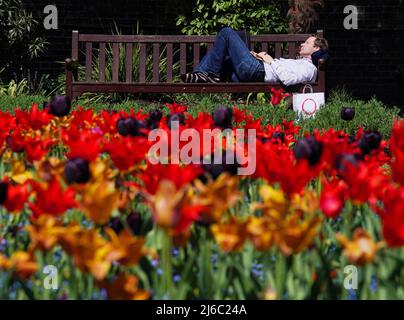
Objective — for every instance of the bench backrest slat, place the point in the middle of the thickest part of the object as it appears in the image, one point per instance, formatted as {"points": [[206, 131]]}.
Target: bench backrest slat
{"points": [[129, 62], [101, 66], [156, 62], [197, 47], [142, 64], [115, 62], [278, 50], [183, 58], [292, 50], [184, 38], [89, 60], [169, 49]]}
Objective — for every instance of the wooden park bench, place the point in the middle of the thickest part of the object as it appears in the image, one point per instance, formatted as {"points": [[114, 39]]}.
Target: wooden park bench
{"points": [[113, 58]]}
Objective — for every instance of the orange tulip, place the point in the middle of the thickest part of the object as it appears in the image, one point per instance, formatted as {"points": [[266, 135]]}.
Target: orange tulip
{"points": [[125, 287], [362, 249], [21, 262], [91, 252], [231, 235], [130, 247], [45, 233], [260, 232], [218, 196]]}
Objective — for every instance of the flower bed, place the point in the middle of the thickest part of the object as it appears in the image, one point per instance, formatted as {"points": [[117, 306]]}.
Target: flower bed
{"points": [[81, 197]]}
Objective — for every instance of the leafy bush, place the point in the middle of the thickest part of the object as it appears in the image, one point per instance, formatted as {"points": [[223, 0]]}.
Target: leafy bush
{"points": [[256, 16], [19, 40]]}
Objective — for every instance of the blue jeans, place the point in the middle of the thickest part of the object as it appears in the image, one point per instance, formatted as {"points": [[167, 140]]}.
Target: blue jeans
{"points": [[231, 58]]}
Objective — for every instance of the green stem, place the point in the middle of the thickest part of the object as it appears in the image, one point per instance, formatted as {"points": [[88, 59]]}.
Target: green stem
{"points": [[166, 264]]}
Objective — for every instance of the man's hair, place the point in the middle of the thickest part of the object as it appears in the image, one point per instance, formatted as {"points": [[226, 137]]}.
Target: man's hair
{"points": [[320, 42]]}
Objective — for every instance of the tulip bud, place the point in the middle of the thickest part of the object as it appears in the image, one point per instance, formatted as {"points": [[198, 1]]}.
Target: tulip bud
{"points": [[3, 191], [59, 106], [133, 220], [347, 113], [77, 171], [370, 141], [343, 159], [130, 126], [279, 135], [216, 169], [222, 117], [175, 117], [310, 149], [154, 119]]}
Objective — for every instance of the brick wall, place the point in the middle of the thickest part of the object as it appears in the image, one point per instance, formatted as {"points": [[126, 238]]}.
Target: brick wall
{"points": [[365, 61]]}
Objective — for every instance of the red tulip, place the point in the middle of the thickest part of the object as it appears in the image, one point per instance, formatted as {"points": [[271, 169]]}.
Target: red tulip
{"points": [[278, 96], [332, 198], [52, 199]]}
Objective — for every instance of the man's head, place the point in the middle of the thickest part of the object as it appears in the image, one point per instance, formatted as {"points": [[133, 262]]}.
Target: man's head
{"points": [[312, 44]]}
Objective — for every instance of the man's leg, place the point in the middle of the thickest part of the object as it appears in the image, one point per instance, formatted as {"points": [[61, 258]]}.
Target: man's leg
{"points": [[229, 43]]}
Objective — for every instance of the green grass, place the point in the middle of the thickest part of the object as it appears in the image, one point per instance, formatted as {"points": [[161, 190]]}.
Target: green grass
{"points": [[371, 115]]}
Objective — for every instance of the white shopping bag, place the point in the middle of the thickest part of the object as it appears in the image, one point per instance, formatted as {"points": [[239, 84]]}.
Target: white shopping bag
{"points": [[307, 104]]}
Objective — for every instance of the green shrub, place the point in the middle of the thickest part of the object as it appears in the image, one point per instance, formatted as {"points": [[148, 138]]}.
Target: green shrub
{"points": [[19, 38], [256, 16]]}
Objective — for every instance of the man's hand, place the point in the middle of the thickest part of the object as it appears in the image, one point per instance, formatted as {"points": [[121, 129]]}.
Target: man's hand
{"points": [[263, 56]]}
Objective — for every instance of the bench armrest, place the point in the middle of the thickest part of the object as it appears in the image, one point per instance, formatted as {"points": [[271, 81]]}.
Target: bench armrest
{"points": [[322, 64], [71, 64]]}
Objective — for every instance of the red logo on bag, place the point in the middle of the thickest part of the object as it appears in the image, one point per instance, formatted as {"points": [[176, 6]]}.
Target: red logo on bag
{"points": [[309, 112]]}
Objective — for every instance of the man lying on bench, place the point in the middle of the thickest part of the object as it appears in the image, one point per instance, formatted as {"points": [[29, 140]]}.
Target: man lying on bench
{"points": [[231, 59]]}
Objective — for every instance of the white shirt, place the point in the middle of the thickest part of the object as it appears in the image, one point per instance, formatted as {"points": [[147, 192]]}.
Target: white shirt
{"points": [[290, 71]]}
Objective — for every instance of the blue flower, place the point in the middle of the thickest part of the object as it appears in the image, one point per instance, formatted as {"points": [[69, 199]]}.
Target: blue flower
{"points": [[176, 278], [373, 284], [175, 252], [352, 294]]}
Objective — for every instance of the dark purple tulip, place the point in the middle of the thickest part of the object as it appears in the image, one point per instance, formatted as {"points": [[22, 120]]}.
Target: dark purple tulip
{"points": [[222, 117], [175, 117], [77, 170], [116, 224], [154, 118], [347, 113], [60, 106], [370, 141], [3, 191], [46, 106], [351, 138], [343, 159], [133, 220], [310, 149], [130, 126], [216, 169], [279, 135]]}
